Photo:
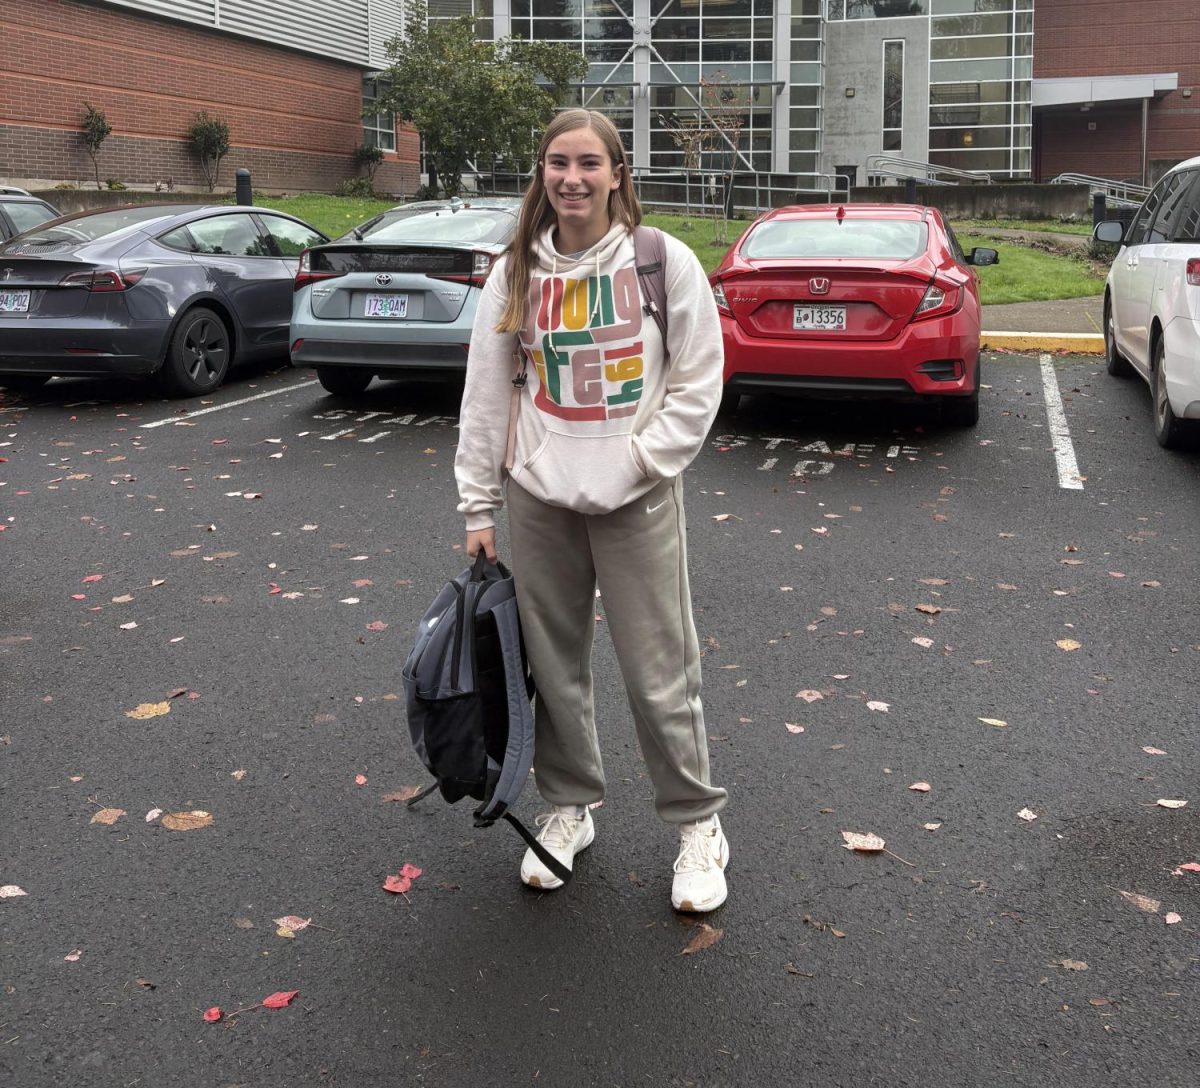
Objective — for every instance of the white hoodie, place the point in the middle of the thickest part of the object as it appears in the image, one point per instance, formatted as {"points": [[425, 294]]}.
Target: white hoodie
{"points": [[603, 416]]}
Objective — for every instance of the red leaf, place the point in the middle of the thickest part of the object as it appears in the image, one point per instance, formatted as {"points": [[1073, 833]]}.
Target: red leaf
{"points": [[93, 578], [280, 999], [212, 1015], [397, 885], [275, 588], [377, 625], [410, 871]]}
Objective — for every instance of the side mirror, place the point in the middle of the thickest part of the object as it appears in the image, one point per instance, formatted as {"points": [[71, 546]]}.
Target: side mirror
{"points": [[1112, 232], [981, 256]]}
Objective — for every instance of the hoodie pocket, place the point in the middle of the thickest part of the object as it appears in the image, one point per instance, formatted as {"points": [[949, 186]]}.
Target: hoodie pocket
{"points": [[591, 475]]}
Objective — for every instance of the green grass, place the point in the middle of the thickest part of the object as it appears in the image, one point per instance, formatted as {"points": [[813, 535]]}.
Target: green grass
{"points": [[1023, 274], [1030, 275], [1051, 226]]}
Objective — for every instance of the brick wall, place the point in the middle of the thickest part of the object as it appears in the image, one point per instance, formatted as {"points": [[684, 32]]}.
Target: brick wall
{"points": [[294, 119], [1116, 37]]}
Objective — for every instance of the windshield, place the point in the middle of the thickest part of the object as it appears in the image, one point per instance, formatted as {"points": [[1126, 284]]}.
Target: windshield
{"points": [[94, 225], [442, 225], [878, 239]]}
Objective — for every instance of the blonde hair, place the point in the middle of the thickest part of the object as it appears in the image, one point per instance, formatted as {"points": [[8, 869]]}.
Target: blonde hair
{"points": [[536, 213]]}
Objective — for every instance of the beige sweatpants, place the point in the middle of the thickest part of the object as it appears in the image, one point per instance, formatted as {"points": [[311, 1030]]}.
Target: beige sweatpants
{"points": [[637, 556]]}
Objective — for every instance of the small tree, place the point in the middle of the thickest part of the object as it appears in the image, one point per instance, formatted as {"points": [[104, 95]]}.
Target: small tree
{"points": [[210, 141], [691, 136], [724, 108], [367, 159], [96, 130]]}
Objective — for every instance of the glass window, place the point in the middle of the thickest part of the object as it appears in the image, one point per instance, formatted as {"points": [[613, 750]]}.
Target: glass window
{"points": [[27, 215], [1137, 232], [180, 238], [379, 129], [970, 7], [557, 29], [992, 45], [969, 116], [875, 9], [954, 138], [443, 225], [1167, 215], [893, 94], [941, 71], [291, 238], [882, 239], [230, 236], [1187, 224], [964, 25], [89, 226]]}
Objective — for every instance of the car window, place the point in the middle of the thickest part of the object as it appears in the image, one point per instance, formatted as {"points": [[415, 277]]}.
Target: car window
{"points": [[877, 239], [1163, 222], [291, 238], [955, 247], [1187, 221], [93, 225], [180, 238], [26, 215], [465, 225], [1141, 222], [230, 236]]}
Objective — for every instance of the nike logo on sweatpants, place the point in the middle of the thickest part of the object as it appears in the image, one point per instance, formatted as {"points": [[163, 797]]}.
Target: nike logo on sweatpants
{"points": [[650, 509]]}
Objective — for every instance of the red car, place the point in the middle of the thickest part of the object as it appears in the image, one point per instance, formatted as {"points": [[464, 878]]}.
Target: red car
{"points": [[871, 300]]}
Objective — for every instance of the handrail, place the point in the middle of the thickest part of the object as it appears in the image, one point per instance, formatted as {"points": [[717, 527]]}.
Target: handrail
{"points": [[1124, 192], [890, 166]]}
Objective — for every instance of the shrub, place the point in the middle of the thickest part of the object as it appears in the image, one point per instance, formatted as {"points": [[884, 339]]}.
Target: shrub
{"points": [[96, 130], [357, 187], [113, 183], [210, 141], [426, 192], [367, 158]]}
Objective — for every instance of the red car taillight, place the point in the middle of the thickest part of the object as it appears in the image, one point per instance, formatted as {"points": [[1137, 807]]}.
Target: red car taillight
{"points": [[305, 274], [104, 279], [720, 299], [940, 298], [1193, 271], [481, 267]]}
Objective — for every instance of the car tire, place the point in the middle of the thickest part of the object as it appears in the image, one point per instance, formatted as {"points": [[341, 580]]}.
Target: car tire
{"points": [[23, 383], [198, 356], [963, 411], [1171, 431], [730, 401], [1118, 366], [343, 381]]}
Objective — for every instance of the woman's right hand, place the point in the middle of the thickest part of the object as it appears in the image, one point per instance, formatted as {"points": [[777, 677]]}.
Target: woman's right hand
{"points": [[482, 538]]}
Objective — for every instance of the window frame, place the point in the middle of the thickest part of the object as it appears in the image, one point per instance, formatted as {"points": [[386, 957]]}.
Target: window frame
{"points": [[376, 122], [263, 219]]}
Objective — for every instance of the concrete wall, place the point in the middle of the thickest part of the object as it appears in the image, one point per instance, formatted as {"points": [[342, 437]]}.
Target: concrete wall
{"points": [[294, 119], [853, 127]]}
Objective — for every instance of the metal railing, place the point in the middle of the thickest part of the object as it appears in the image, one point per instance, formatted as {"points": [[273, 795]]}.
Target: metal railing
{"points": [[929, 173], [1116, 192]]}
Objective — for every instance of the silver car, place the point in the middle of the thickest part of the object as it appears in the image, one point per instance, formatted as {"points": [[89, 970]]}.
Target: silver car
{"points": [[179, 292], [397, 296]]}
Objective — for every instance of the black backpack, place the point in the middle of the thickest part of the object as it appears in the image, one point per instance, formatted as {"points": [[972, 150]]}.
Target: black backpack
{"points": [[468, 688]]}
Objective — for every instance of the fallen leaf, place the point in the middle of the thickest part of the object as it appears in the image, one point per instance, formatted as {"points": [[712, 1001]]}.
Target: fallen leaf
{"points": [[376, 625], [279, 1000], [293, 922], [875, 704], [73, 955], [999, 723], [148, 710], [1165, 802], [125, 598], [928, 609], [1151, 585], [792, 727], [406, 794], [360, 582], [1099, 1002], [1152, 751], [145, 983], [187, 821], [705, 938], [1027, 814], [107, 816], [864, 843], [92, 578], [1171, 918], [11, 891], [931, 826], [1189, 867], [924, 642], [1142, 902], [153, 815], [239, 774], [349, 600], [809, 696], [401, 883], [1068, 644], [130, 626], [283, 931], [934, 582], [243, 923], [921, 787], [725, 517], [360, 779], [1070, 965], [212, 1015]]}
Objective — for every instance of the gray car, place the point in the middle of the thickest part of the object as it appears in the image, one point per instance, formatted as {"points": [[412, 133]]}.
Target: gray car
{"points": [[181, 292], [19, 211], [397, 296]]}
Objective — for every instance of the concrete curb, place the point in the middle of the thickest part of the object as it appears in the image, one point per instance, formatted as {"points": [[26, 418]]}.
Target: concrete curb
{"points": [[1077, 343]]}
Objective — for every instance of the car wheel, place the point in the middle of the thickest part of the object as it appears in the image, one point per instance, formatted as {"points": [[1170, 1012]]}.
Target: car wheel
{"points": [[198, 356], [23, 383], [730, 400], [343, 381], [1171, 431], [1118, 365]]}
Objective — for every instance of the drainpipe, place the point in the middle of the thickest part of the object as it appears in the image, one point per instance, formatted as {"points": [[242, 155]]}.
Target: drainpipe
{"points": [[1145, 131]]}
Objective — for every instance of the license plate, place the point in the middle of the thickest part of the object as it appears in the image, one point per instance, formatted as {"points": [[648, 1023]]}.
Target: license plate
{"points": [[387, 306], [14, 302], [819, 318]]}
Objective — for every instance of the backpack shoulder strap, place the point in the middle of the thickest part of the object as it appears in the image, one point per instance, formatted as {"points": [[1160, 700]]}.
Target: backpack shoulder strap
{"points": [[650, 261]]}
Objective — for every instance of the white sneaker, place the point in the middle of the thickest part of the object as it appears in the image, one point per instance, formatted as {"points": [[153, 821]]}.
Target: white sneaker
{"points": [[699, 883], [565, 830]]}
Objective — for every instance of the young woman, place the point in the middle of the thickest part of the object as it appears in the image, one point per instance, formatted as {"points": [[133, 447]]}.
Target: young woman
{"points": [[608, 418]]}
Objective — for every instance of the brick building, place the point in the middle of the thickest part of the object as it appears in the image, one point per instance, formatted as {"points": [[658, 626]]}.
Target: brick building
{"points": [[1116, 89], [291, 80]]}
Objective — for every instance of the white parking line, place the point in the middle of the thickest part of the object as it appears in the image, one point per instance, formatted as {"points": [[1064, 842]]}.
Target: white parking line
{"points": [[222, 407], [1064, 449]]}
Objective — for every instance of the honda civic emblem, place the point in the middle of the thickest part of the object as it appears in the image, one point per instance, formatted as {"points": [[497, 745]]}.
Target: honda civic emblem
{"points": [[383, 279], [819, 285]]}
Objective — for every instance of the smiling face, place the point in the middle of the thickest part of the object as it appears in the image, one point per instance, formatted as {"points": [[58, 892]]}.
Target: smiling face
{"points": [[579, 175]]}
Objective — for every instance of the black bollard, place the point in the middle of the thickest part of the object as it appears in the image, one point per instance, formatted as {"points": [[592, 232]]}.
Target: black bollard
{"points": [[1098, 208], [244, 193], [910, 190]]}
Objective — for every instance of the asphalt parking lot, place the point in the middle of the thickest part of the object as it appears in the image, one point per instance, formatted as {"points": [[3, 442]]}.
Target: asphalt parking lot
{"points": [[206, 611]]}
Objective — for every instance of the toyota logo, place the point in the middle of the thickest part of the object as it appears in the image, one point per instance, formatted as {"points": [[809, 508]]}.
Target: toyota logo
{"points": [[383, 279], [819, 285]]}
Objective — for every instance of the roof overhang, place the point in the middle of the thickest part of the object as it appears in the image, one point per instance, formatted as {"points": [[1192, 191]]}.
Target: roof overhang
{"points": [[1084, 90]]}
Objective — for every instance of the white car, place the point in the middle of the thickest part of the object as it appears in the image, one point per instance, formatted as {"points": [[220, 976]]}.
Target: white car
{"points": [[1152, 301]]}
